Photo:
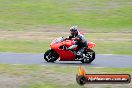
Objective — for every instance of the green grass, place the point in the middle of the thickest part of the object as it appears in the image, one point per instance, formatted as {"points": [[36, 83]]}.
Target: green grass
{"points": [[31, 46], [93, 15], [114, 47], [54, 76], [106, 43], [57, 15], [23, 46]]}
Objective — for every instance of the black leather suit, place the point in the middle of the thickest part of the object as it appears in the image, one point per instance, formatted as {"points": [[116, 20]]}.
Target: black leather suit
{"points": [[81, 42]]}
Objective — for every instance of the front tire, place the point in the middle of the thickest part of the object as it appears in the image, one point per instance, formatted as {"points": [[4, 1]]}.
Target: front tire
{"points": [[51, 56], [90, 56]]}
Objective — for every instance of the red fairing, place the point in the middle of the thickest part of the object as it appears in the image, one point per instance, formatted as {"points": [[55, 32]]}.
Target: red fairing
{"points": [[64, 54]]}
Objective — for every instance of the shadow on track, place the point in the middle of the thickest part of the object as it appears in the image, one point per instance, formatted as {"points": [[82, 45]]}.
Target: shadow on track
{"points": [[70, 63]]}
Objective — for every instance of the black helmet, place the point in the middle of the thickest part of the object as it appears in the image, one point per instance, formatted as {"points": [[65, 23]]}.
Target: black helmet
{"points": [[73, 30]]}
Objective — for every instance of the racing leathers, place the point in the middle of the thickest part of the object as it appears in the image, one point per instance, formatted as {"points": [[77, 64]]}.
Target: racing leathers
{"points": [[81, 42]]}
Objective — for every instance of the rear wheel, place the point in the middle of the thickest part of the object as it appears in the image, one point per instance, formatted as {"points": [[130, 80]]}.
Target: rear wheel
{"points": [[89, 56], [51, 56]]}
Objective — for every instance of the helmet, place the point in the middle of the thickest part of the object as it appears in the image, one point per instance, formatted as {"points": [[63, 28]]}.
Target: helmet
{"points": [[73, 30]]}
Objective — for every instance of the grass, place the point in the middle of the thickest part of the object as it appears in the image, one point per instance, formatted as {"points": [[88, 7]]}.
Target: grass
{"points": [[91, 15], [114, 48], [53, 76], [57, 15], [41, 46], [106, 43], [23, 46]]}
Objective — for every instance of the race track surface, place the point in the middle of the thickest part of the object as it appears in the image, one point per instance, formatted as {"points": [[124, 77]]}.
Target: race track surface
{"points": [[102, 60]]}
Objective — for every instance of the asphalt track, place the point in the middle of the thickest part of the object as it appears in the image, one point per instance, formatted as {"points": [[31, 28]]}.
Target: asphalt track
{"points": [[102, 60]]}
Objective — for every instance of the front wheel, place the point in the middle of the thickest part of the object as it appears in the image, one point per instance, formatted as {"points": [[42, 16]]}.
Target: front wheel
{"points": [[89, 56], [51, 56]]}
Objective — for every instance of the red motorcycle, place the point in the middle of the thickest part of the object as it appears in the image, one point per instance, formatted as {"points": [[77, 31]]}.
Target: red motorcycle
{"points": [[59, 50]]}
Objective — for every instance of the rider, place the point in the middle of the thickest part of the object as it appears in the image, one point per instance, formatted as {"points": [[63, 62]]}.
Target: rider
{"points": [[80, 41]]}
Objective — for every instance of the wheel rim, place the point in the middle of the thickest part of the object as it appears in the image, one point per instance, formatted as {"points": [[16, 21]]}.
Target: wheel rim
{"points": [[88, 56], [49, 56]]}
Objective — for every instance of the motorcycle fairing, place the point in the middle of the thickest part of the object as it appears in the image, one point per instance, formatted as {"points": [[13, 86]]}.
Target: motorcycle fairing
{"points": [[64, 54]]}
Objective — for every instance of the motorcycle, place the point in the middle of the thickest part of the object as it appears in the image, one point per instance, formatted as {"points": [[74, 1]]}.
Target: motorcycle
{"points": [[59, 50]]}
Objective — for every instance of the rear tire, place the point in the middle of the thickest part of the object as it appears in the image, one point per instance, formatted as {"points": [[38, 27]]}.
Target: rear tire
{"points": [[91, 56], [51, 56]]}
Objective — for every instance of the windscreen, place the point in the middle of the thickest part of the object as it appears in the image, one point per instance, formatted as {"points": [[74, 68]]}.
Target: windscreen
{"points": [[57, 40]]}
